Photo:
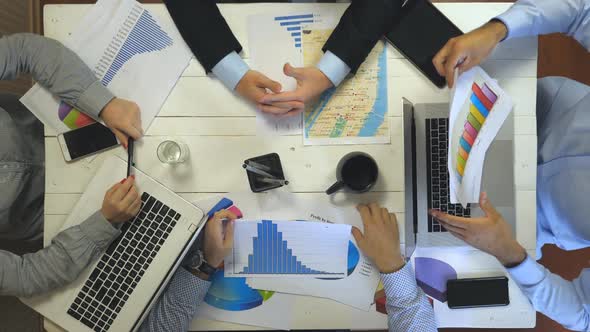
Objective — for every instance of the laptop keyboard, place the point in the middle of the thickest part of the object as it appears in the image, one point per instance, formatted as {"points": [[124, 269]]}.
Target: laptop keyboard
{"points": [[122, 266], [438, 175]]}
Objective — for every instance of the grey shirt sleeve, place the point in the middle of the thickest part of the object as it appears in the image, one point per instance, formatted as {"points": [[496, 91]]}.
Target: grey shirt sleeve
{"points": [[55, 67], [58, 264]]}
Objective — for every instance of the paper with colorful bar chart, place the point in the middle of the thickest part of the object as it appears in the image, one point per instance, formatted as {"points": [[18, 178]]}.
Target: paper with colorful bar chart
{"points": [[271, 248], [479, 107], [132, 52]]}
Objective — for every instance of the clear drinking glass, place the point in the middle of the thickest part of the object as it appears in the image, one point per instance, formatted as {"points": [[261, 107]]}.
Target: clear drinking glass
{"points": [[173, 151]]}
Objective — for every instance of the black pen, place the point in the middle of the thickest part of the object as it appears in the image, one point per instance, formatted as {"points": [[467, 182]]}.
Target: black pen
{"points": [[129, 156]]}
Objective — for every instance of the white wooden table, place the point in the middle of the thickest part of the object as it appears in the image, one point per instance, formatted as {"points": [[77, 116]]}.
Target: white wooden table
{"points": [[220, 131]]}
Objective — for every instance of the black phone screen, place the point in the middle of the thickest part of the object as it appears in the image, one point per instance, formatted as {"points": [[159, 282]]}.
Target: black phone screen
{"points": [[88, 140], [477, 292], [419, 32]]}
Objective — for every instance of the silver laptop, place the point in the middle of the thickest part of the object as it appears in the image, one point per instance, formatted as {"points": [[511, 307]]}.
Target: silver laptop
{"points": [[117, 291], [427, 178]]}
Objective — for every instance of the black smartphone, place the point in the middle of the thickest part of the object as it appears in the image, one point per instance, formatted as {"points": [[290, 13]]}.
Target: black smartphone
{"points": [[477, 292], [419, 32], [85, 141]]}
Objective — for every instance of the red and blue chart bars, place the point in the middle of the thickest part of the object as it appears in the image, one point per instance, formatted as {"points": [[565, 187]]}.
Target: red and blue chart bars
{"points": [[272, 255], [482, 101]]}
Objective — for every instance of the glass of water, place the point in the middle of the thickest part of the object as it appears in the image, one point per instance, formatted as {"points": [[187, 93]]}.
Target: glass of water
{"points": [[173, 151]]}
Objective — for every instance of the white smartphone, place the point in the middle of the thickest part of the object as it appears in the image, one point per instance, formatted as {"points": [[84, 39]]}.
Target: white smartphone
{"points": [[85, 141]]}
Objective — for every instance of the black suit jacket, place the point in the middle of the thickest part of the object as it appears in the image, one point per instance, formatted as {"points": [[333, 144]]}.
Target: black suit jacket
{"points": [[207, 34]]}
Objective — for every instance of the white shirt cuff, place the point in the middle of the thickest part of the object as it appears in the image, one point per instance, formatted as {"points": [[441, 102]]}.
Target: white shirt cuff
{"points": [[333, 67], [528, 272], [230, 70]]}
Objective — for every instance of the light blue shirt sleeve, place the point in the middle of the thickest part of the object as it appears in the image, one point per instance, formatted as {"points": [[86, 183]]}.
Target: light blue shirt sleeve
{"points": [[408, 309], [333, 67], [230, 70], [566, 302], [539, 17], [179, 303]]}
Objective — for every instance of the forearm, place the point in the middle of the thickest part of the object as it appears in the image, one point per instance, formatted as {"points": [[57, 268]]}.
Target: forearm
{"points": [[55, 67], [176, 308], [59, 263], [408, 309], [539, 17], [561, 300]]}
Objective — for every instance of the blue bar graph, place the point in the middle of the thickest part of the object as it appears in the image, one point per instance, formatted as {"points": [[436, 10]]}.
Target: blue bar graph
{"points": [[272, 255], [294, 23], [146, 36]]}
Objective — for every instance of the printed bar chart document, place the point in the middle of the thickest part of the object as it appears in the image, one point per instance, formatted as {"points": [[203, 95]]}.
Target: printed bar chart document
{"points": [[479, 107], [131, 52], [268, 248]]}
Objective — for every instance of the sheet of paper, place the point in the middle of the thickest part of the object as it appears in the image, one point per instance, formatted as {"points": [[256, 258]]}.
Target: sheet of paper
{"points": [[272, 248], [434, 266], [479, 107], [131, 51], [356, 112], [362, 277], [231, 299], [275, 39]]}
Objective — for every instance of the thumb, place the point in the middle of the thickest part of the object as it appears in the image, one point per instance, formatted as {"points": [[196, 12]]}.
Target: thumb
{"points": [[486, 205], [274, 86], [228, 241], [292, 71], [121, 137], [359, 238]]}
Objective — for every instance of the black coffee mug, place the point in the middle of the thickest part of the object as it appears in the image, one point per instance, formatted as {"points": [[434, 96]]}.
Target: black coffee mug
{"points": [[356, 172]]}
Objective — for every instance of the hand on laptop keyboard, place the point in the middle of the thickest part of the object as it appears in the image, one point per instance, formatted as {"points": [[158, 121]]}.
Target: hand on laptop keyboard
{"points": [[380, 238], [491, 233], [121, 202]]}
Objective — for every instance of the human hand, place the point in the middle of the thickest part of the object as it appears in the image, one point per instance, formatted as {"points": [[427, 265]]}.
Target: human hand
{"points": [[123, 117], [122, 202], [253, 86], [218, 242], [311, 82], [490, 234], [381, 239], [468, 50]]}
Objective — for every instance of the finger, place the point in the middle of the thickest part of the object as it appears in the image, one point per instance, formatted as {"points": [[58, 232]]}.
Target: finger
{"points": [[228, 241], [287, 104], [291, 113], [358, 237], [292, 71], [452, 228], [273, 109], [124, 188], [135, 207], [130, 197], [439, 59], [385, 215], [113, 188], [225, 214], [267, 83], [375, 210], [365, 215], [451, 62], [283, 96], [450, 219], [132, 131], [121, 137], [486, 205]]}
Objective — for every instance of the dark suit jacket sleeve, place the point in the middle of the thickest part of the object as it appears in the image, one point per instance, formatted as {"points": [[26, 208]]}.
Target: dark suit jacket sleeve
{"points": [[363, 23], [204, 29]]}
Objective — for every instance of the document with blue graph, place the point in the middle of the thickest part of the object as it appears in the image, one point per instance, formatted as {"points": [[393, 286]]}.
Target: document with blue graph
{"points": [[270, 248], [135, 54]]}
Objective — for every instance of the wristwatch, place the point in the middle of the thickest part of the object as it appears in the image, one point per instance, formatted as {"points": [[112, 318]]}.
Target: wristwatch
{"points": [[198, 263]]}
